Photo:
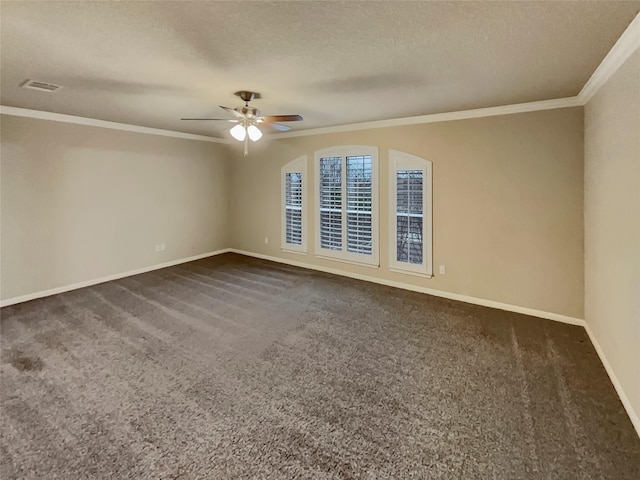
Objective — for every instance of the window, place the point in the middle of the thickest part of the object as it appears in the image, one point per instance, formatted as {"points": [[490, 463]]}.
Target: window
{"points": [[294, 202], [410, 211], [347, 227]]}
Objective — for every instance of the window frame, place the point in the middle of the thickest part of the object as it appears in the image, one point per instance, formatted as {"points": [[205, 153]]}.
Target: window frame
{"points": [[405, 161], [298, 165], [343, 255]]}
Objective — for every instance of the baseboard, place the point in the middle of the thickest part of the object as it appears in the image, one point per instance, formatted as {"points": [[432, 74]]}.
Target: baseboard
{"points": [[633, 415], [406, 286], [95, 281], [335, 271]]}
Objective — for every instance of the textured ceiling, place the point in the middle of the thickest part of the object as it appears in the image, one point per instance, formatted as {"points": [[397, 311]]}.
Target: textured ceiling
{"points": [[335, 63]]}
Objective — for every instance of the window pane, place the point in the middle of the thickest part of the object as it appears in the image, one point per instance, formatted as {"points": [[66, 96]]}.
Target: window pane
{"points": [[359, 205], [294, 188], [415, 191], [331, 230], [414, 239], [293, 206], [359, 233], [402, 191], [409, 238], [409, 191], [331, 203], [294, 226], [409, 216], [402, 235]]}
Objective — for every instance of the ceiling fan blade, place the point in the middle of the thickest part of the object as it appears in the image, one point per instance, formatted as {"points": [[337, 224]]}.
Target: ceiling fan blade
{"points": [[278, 126], [233, 111], [282, 118], [221, 119]]}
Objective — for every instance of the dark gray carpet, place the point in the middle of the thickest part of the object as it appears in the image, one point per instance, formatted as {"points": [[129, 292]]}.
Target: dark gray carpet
{"points": [[232, 367]]}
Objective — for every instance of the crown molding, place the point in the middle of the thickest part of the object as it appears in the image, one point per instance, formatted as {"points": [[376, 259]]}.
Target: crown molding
{"points": [[432, 118], [441, 117], [628, 43], [92, 122]]}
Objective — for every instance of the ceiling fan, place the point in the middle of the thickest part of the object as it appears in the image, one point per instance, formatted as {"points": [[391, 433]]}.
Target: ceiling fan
{"points": [[248, 118]]}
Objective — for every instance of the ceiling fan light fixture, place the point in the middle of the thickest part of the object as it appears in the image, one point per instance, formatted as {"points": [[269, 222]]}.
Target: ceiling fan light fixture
{"points": [[247, 119], [238, 132], [254, 133]]}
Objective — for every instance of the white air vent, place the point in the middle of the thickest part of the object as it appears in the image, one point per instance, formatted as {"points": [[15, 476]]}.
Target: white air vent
{"points": [[42, 86]]}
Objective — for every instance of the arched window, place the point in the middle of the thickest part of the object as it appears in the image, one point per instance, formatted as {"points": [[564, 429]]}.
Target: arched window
{"points": [[410, 209], [294, 205], [347, 208]]}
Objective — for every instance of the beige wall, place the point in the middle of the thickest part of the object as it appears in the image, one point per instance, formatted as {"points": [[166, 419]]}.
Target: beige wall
{"points": [[612, 224], [79, 203], [507, 193]]}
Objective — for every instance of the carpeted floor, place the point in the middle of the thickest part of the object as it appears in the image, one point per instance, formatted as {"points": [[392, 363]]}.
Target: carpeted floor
{"points": [[235, 368]]}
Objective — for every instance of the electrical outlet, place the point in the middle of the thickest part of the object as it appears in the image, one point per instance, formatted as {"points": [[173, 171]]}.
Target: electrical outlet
{"points": [[266, 239], [442, 270]]}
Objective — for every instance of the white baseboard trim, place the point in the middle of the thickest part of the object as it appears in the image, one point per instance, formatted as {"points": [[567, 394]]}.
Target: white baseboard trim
{"points": [[633, 415], [95, 281], [407, 286]]}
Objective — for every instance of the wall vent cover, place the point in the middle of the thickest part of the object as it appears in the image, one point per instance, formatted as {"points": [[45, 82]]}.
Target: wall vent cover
{"points": [[41, 86]]}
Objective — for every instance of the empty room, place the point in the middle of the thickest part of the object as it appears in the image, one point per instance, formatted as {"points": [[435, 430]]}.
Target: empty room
{"points": [[320, 240]]}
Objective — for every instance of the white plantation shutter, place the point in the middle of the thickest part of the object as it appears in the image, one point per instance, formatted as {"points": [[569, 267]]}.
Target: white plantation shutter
{"points": [[331, 203], [410, 210], [293, 206], [359, 227], [294, 194], [409, 216], [347, 204]]}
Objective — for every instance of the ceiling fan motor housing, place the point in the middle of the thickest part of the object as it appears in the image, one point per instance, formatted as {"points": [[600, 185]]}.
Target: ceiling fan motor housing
{"points": [[249, 112], [247, 95]]}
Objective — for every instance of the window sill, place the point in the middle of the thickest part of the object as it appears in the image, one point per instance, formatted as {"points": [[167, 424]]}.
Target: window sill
{"points": [[411, 272], [350, 262], [297, 252]]}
